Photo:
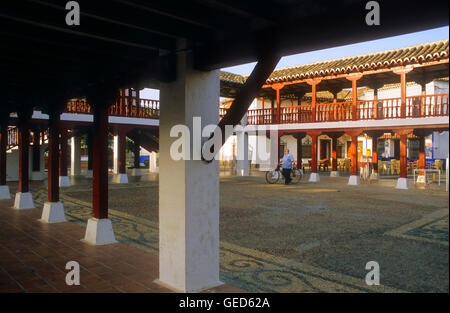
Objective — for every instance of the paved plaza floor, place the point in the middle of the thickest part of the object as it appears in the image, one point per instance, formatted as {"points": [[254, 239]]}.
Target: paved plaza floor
{"points": [[308, 237]]}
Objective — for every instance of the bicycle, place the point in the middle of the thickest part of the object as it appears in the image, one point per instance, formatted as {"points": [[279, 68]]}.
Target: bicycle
{"points": [[273, 176]]}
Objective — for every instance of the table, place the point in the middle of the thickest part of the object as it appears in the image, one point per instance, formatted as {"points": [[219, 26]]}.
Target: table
{"points": [[426, 170]]}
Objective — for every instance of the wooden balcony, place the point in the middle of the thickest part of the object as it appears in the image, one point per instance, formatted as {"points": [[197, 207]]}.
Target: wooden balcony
{"points": [[416, 107]]}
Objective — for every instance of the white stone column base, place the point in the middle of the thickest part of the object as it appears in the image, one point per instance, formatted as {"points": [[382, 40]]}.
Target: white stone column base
{"points": [[421, 179], [64, 181], [4, 192], [314, 178], [99, 232], [120, 179], [354, 180], [136, 172], [89, 174], [53, 212], [23, 201], [174, 289], [241, 172], [334, 174], [37, 175], [402, 183]]}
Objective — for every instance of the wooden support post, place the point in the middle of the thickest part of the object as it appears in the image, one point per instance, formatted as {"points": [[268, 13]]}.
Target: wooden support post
{"points": [[63, 152], [3, 142], [354, 150], [299, 137], [36, 150], [402, 72], [422, 153], [334, 153], [374, 134], [137, 151], [313, 83], [90, 146], [99, 230], [314, 177], [53, 156], [354, 77], [403, 133], [24, 147], [122, 151], [334, 141], [277, 88], [248, 92], [100, 163], [422, 133]]}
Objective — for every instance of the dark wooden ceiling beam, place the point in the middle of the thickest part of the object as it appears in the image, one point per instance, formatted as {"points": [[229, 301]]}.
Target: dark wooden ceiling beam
{"points": [[340, 25]]}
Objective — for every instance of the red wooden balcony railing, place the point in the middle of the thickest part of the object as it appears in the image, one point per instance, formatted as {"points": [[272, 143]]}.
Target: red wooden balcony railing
{"points": [[416, 106], [124, 106]]}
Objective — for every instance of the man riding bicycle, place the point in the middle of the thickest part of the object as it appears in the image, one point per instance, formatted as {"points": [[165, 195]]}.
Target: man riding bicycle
{"points": [[286, 166]]}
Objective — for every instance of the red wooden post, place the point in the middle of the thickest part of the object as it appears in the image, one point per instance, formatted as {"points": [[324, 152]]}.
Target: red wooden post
{"points": [[53, 157], [299, 137], [137, 151], [375, 154], [354, 78], [3, 142], [277, 87], [375, 134], [403, 134], [313, 83], [100, 162], [24, 147], [354, 150], [402, 72], [90, 149], [36, 150], [334, 140], [122, 151], [314, 135], [63, 152], [422, 153]]}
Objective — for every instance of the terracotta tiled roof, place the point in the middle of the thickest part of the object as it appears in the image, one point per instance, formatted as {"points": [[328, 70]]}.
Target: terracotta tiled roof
{"points": [[230, 77], [403, 56]]}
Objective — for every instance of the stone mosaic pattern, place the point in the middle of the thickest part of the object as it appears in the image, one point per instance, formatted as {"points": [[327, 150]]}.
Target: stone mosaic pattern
{"points": [[431, 228], [248, 269]]}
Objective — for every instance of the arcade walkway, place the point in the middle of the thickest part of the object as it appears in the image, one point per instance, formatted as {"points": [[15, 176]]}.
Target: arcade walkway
{"points": [[33, 256], [310, 237]]}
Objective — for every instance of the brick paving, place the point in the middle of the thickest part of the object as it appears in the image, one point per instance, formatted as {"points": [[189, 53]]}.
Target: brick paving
{"points": [[33, 256]]}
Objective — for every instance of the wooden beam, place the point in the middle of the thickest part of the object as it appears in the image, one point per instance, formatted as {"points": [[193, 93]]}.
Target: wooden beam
{"points": [[248, 92]]}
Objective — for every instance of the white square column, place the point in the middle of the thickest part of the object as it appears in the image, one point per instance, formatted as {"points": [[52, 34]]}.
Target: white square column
{"points": [[242, 163], [75, 155], [116, 154], [188, 189], [153, 165]]}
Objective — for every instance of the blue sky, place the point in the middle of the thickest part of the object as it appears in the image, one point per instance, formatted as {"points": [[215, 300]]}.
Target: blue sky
{"points": [[339, 52]]}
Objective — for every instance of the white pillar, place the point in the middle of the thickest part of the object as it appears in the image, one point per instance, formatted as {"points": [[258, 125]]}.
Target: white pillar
{"points": [[116, 155], [153, 162], [188, 189], [274, 146], [242, 163], [75, 155]]}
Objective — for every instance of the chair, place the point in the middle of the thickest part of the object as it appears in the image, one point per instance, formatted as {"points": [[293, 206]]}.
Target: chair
{"points": [[437, 165], [347, 165], [323, 164], [395, 167], [412, 165]]}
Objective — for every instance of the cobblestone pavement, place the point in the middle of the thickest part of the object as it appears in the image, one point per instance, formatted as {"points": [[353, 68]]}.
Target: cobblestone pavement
{"points": [[309, 237]]}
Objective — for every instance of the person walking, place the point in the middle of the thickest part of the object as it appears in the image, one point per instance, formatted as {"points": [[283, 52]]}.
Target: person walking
{"points": [[286, 166]]}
